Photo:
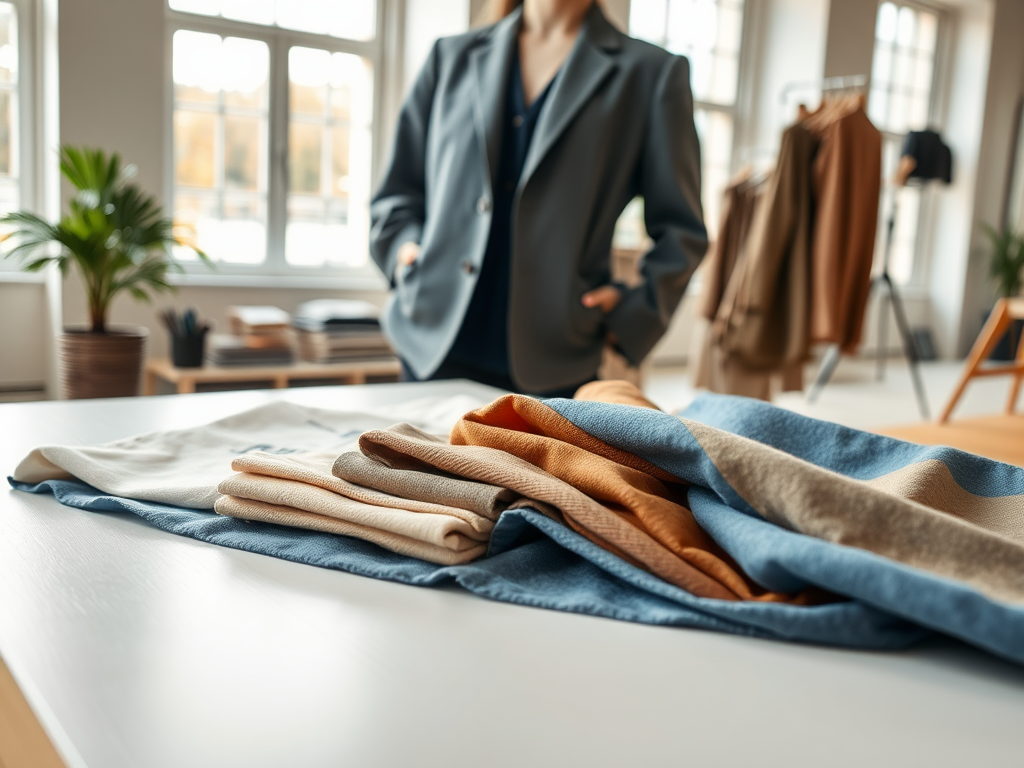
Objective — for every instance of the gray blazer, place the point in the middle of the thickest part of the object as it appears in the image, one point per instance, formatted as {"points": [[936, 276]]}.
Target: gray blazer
{"points": [[618, 123]]}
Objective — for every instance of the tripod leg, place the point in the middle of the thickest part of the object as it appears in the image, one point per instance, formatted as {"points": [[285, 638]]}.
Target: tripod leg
{"points": [[883, 327], [908, 347], [828, 367]]}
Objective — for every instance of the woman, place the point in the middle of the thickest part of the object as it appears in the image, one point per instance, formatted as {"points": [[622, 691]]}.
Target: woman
{"points": [[516, 151]]}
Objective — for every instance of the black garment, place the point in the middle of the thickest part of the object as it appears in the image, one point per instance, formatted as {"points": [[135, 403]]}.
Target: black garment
{"points": [[450, 370], [933, 159], [482, 342]]}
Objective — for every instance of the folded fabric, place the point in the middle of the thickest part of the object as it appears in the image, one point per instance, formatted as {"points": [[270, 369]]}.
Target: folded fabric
{"points": [[183, 467], [253, 510], [315, 469], [425, 486], [299, 491], [622, 508]]}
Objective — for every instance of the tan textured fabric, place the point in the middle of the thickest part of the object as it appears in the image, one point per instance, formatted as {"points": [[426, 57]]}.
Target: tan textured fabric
{"points": [[299, 490], [433, 487], [615, 499], [848, 182], [762, 325], [248, 509], [982, 549], [316, 469], [930, 483]]}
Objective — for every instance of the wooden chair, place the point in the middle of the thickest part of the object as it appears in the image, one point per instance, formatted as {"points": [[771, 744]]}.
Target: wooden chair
{"points": [[1005, 312]]}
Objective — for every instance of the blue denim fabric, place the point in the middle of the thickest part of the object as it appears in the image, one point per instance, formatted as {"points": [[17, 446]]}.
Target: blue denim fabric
{"points": [[781, 560], [532, 561]]}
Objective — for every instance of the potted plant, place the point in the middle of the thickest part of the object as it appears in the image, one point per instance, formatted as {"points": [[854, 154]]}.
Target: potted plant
{"points": [[115, 235], [1006, 267]]}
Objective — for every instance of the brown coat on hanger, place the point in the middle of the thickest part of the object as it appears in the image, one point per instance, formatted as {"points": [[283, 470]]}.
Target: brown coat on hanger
{"points": [[847, 182]]}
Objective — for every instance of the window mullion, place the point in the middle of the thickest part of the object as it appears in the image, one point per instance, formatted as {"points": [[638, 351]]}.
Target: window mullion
{"points": [[277, 194]]}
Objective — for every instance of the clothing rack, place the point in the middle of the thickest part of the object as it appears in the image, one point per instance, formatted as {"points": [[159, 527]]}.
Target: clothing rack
{"points": [[844, 83]]}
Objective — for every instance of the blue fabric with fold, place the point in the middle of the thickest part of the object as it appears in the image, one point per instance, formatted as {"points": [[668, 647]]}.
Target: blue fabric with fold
{"points": [[532, 561], [780, 560]]}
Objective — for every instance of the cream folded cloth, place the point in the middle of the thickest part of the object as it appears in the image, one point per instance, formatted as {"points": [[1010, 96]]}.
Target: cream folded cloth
{"points": [[299, 490]]}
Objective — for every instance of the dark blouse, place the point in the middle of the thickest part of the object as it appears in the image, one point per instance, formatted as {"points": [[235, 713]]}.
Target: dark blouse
{"points": [[482, 342]]}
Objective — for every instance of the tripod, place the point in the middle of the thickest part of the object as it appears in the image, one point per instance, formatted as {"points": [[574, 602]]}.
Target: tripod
{"points": [[884, 283]]}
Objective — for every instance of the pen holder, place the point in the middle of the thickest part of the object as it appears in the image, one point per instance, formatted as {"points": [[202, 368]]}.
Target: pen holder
{"points": [[188, 351]]}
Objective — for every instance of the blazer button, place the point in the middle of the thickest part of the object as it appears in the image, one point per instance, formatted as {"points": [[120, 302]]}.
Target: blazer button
{"points": [[483, 205], [468, 267]]}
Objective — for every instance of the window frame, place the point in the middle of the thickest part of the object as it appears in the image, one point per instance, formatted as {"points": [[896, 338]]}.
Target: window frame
{"points": [[29, 162], [738, 111], [920, 270], [279, 40]]}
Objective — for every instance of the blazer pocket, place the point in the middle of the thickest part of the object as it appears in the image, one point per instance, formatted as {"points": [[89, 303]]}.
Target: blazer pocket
{"points": [[406, 282]]}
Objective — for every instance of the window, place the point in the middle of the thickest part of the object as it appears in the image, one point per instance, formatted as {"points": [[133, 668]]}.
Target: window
{"points": [[900, 100], [272, 131], [15, 155], [709, 33]]}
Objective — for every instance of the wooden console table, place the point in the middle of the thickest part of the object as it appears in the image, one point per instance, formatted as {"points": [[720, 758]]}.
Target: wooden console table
{"points": [[185, 379]]}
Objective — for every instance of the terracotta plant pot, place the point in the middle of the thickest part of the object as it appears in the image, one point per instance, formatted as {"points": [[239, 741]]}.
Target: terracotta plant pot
{"points": [[102, 364]]}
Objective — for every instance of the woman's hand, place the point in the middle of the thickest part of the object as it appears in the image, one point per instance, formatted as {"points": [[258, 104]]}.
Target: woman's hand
{"points": [[606, 298], [408, 253]]}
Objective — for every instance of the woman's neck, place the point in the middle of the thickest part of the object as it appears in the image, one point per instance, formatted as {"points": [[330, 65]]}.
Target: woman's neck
{"points": [[554, 17]]}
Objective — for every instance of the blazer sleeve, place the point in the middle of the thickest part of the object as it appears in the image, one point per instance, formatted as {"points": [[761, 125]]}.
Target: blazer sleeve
{"points": [[670, 185], [398, 209]]}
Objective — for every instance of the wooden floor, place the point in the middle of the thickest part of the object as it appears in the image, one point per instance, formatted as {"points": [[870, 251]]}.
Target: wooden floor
{"points": [[998, 437]]}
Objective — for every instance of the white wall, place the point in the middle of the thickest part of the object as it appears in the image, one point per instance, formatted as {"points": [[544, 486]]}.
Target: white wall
{"points": [[963, 131], [1002, 98], [23, 341]]}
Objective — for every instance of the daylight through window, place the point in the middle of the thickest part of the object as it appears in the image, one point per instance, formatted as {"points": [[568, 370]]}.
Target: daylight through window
{"points": [[305, 205]]}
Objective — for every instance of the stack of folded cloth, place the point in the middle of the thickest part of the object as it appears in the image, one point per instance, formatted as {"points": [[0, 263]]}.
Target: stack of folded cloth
{"points": [[424, 514], [420, 495], [335, 331]]}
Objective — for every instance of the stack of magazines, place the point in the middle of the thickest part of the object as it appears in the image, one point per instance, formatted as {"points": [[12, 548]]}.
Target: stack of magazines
{"points": [[260, 336], [337, 331]]}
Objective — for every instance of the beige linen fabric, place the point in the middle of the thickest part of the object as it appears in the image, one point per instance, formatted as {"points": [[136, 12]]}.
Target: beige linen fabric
{"points": [[184, 466], [248, 509], [299, 491], [314, 469]]}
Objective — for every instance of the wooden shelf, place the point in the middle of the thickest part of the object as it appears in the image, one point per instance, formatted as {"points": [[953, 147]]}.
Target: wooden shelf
{"points": [[186, 379]]}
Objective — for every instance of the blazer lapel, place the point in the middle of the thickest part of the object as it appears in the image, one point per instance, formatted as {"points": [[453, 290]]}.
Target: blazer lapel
{"points": [[490, 63], [583, 71]]}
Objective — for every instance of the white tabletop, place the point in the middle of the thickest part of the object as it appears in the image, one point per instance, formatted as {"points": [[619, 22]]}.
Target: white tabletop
{"points": [[139, 648]]}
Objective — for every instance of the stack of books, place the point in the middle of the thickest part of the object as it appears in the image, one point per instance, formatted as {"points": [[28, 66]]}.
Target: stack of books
{"points": [[259, 336], [337, 331]]}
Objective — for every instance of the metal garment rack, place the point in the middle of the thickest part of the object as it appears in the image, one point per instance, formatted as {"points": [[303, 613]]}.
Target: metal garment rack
{"points": [[843, 83]]}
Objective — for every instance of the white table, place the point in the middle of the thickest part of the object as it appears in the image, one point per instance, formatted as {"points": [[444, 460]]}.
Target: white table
{"points": [[139, 648]]}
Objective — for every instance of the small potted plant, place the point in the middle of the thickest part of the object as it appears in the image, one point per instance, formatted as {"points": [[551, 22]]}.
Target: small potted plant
{"points": [[1006, 267], [117, 238]]}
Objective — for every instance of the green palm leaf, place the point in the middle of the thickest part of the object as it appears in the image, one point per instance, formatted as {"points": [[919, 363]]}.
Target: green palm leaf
{"points": [[113, 232]]}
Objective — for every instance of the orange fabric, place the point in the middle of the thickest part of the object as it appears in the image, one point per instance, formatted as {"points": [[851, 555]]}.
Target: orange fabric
{"points": [[626, 487], [615, 391]]}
